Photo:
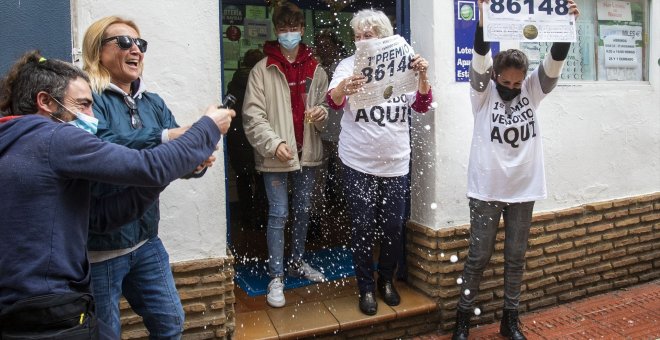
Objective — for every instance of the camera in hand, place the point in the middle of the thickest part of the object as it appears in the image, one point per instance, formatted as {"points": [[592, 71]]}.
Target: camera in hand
{"points": [[228, 102]]}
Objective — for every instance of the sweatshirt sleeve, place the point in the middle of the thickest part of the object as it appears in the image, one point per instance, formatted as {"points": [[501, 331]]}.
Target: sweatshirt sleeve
{"points": [[422, 102], [550, 69], [481, 62], [77, 154], [110, 212], [343, 70]]}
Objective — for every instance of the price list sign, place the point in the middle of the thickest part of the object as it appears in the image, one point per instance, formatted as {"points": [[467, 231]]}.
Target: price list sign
{"points": [[528, 21]]}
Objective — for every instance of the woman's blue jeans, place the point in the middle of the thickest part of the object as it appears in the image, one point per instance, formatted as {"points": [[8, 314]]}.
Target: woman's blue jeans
{"points": [[484, 220], [276, 183], [145, 279], [376, 207]]}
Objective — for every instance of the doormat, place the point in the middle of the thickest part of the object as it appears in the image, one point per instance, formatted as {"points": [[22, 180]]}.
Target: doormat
{"points": [[334, 263]]}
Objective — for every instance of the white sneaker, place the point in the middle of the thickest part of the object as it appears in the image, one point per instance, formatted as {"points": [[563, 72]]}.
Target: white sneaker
{"points": [[302, 269], [275, 295]]}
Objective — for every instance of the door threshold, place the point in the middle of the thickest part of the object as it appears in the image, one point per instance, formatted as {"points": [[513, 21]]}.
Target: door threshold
{"points": [[321, 309]]}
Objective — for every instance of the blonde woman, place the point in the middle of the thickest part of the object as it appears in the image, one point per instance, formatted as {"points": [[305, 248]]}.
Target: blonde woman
{"points": [[131, 261]]}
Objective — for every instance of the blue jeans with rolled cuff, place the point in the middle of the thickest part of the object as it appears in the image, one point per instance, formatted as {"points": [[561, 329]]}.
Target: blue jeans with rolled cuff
{"points": [[277, 190]]}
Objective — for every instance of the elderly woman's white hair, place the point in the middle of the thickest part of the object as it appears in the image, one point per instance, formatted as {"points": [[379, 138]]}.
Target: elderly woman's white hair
{"points": [[374, 20]]}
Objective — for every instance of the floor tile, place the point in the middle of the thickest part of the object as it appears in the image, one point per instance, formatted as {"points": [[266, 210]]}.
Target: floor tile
{"points": [[327, 290], [647, 297], [246, 303], [413, 302], [347, 312], [323, 291], [540, 322], [307, 319], [254, 325], [485, 332]]}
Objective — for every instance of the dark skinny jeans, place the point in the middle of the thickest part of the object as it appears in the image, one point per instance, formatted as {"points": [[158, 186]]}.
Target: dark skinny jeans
{"points": [[376, 206], [484, 219]]}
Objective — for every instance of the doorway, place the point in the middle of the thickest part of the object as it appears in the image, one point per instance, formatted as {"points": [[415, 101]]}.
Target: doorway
{"points": [[246, 25]]}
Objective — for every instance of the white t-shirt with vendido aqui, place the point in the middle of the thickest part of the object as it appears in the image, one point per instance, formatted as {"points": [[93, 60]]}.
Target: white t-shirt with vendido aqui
{"points": [[506, 155], [374, 140]]}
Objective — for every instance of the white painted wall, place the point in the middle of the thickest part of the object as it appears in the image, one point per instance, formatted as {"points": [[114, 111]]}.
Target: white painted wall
{"points": [[601, 140], [182, 65]]}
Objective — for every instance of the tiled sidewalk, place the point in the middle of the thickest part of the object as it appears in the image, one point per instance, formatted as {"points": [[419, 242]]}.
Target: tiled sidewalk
{"points": [[631, 313]]}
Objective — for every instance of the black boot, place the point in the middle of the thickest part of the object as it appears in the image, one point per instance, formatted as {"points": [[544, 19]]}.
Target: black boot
{"points": [[388, 292], [368, 304], [462, 328], [509, 326]]}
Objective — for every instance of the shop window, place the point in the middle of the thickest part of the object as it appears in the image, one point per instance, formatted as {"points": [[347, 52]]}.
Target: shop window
{"points": [[612, 43]]}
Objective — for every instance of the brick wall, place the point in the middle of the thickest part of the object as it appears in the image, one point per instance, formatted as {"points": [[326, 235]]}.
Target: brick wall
{"points": [[206, 288], [572, 254]]}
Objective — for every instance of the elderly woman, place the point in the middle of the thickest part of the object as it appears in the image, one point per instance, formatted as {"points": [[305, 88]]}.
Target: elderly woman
{"points": [[375, 157], [132, 260]]}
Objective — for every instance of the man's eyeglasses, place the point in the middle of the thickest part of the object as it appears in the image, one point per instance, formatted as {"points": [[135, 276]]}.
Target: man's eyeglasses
{"points": [[136, 122], [125, 42]]}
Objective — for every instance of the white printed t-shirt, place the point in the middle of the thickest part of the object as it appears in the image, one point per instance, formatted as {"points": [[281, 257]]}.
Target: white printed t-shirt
{"points": [[506, 156], [374, 140]]}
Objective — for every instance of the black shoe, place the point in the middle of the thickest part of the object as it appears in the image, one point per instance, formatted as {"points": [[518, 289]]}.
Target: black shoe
{"points": [[368, 304], [388, 292], [509, 326], [462, 328]]}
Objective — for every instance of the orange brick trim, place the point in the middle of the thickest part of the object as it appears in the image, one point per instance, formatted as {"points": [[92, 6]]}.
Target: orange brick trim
{"points": [[206, 289], [573, 253]]}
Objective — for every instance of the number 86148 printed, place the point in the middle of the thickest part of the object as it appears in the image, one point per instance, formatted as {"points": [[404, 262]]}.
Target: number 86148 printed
{"points": [[529, 20]]}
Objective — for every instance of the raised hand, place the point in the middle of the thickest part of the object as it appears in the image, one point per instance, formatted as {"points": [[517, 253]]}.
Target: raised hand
{"points": [[221, 117]]}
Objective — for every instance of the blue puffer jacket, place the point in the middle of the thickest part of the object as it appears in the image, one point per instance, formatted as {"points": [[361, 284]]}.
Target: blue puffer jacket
{"points": [[115, 126]]}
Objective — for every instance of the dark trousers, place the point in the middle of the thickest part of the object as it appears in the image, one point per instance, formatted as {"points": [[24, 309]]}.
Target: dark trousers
{"points": [[376, 206], [484, 220]]}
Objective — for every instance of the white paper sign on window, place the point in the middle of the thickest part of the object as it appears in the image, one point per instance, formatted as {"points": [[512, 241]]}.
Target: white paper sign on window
{"points": [[614, 10], [614, 56], [620, 51]]}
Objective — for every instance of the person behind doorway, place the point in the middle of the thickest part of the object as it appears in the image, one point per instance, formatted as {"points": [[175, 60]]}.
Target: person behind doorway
{"points": [[131, 261], [375, 157], [283, 114], [505, 174], [327, 197], [249, 182], [49, 157]]}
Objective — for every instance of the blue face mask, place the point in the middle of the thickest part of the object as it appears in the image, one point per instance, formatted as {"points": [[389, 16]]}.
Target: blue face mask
{"points": [[289, 40], [83, 121]]}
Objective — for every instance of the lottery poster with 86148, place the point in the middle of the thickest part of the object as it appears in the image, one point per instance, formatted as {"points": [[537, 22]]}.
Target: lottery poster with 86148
{"points": [[387, 66], [528, 21], [579, 64]]}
